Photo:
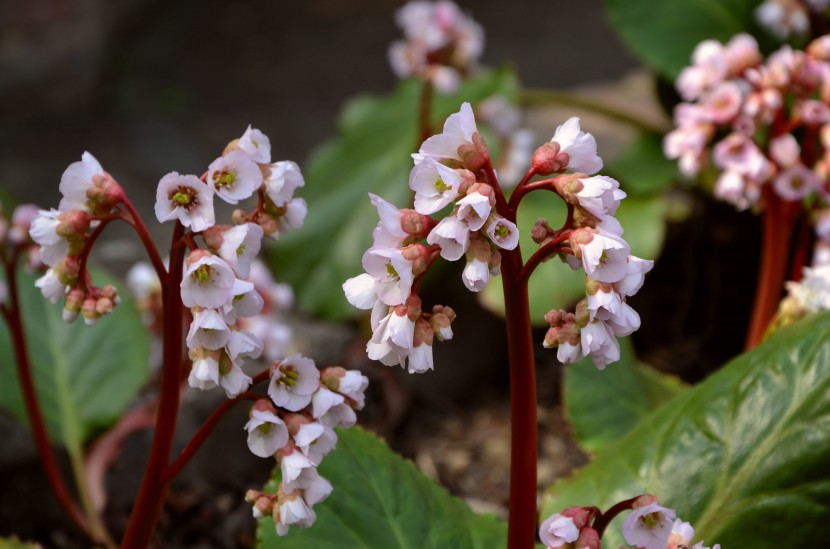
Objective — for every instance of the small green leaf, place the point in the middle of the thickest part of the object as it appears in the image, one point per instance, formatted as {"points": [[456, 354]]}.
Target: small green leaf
{"points": [[604, 405], [554, 285], [382, 500], [85, 377], [678, 26], [743, 456], [642, 168], [372, 154]]}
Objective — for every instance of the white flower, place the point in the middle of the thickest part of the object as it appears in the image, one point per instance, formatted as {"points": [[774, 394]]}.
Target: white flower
{"points": [[452, 235], [420, 359], [245, 301], [315, 440], [681, 535], [392, 274], [75, 182], [240, 244], [256, 144], [389, 233], [50, 286], [292, 463], [598, 341], [208, 329], [353, 384], [502, 232], [600, 195], [624, 322], [293, 382], [281, 180], [474, 210], [635, 274], [435, 185], [242, 343], [208, 282], [234, 176], [604, 256], [231, 377], [604, 300], [53, 248], [558, 530], [293, 510], [330, 409], [458, 130], [267, 433], [186, 198], [393, 337], [360, 291], [568, 353], [581, 147], [293, 218], [649, 526], [476, 275], [204, 374]]}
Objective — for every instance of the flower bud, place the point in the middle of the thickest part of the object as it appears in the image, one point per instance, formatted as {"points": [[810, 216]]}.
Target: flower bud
{"points": [[294, 421], [643, 500], [103, 306], [540, 231], [110, 292], [73, 304], [588, 539], [551, 338], [213, 236], [476, 155], [416, 224], [67, 270], [495, 262], [419, 255], [231, 146], [104, 193], [582, 316], [239, 217], [89, 312], [330, 377], [73, 224], [423, 333]]}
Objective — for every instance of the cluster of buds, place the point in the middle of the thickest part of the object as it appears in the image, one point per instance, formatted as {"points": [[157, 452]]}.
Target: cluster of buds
{"points": [[441, 43], [785, 18], [774, 119], [593, 242], [90, 196], [649, 526], [296, 426], [444, 174]]}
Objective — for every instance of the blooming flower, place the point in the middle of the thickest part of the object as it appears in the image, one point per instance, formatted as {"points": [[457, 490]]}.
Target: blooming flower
{"points": [[452, 235], [649, 526], [557, 530], [256, 145], [435, 184], [207, 282], [293, 380], [75, 182], [459, 130], [267, 433], [186, 198], [234, 176], [581, 147], [281, 180]]}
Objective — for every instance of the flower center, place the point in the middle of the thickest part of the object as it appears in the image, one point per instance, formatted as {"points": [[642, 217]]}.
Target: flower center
{"points": [[440, 186], [391, 270], [501, 232], [223, 179], [651, 520], [289, 376], [202, 274], [183, 197]]}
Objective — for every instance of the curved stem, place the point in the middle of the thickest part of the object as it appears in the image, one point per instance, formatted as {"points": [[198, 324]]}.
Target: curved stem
{"points": [[425, 112], [153, 491], [141, 230], [604, 519], [202, 434], [550, 248], [542, 97], [12, 314], [522, 190]]}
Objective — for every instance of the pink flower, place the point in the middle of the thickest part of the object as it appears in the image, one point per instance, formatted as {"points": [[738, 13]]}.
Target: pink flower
{"points": [[581, 147], [256, 145], [293, 380], [459, 130], [186, 198], [558, 530], [649, 526], [234, 176], [267, 433], [76, 181]]}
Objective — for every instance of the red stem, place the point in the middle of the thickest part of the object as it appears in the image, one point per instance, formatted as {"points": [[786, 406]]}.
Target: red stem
{"points": [[550, 248], [146, 240], [153, 491], [36, 421], [604, 519], [777, 235], [425, 112], [202, 434]]}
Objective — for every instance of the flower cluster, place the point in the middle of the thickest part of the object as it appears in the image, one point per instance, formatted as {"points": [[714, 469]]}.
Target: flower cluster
{"points": [[91, 197], [649, 526], [296, 426], [441, 43], [593, 242], [770, 124], [785, 18]]}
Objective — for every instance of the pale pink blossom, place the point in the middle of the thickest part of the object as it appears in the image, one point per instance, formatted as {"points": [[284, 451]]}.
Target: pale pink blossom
{"points": [[599, 342], [186, 198], [22, 219], [452, 235], [435, 185], [634, 277], [474, 209], [240, 244], [796, 183], [256, 145], [234, 176], [76, 181], [723, 103], [282, 179], [267, 433], [581, 147], [293, 381], [558, 530], [459, 129], [207, 282], [476, 275], [649, 526], [392, 274], [293, 511], [315, 440], [785, 150], [604, 256], [330, 409], [501, 232], [208, 329], [600, 195], [389, 232]]}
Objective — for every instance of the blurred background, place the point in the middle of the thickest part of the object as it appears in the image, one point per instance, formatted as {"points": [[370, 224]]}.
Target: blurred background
{"points": [[152, 86]]}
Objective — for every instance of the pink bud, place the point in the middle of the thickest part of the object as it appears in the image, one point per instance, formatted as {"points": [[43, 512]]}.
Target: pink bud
{"points": [[588, 539], [213, 236], [330, 377], [643, 500], [73, 224], [103, 306], [423, 333], [540, 231], [294, 422], [104, 193], [416, 224], [476, 155], [547, 159]]}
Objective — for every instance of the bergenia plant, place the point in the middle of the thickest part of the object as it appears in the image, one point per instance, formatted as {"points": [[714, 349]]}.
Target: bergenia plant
{"points": [[206, 302], [461, 211], [764, 125]]}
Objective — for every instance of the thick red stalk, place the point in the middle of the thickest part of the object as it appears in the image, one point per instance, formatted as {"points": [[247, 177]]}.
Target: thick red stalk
{"points": [[775, 253], [33, 412], [153, 491]]}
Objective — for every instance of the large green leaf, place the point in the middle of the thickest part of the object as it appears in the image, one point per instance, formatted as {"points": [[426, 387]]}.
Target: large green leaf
{"points": [[371, 154], [664, 33], [85, 377], [743, 456], [604, 405], [554, 285], [381, 500]]}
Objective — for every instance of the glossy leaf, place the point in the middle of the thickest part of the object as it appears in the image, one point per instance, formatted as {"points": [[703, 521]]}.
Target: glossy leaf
{"points": [[742, 456], [604, 405], [554, 285], [85, 377], [664, 33], [371, 155], [382, 500]]}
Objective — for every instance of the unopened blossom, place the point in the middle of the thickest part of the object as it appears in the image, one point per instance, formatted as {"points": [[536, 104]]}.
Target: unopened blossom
{"points": [[649, 526], [634, 277], [476, 274], [293, 380], [681, 535], [281, 180], [420, 357], [234, 176], [783, 18], [76, 180], [599, 341], [204, 374], [558, 530], [581, 147], [231, 377], [349, 383], [185, 198], [785, 150], [267, 433], [292, 510], [207, 282], [256, 145]]}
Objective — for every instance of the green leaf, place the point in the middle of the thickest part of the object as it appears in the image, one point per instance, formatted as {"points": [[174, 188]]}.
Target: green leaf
{"points": [[371, 154], [742, 456], [382, 500], [554, 285], [85, 377], [677, 26], [642, 168], [604, 405], [14, 543]]}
